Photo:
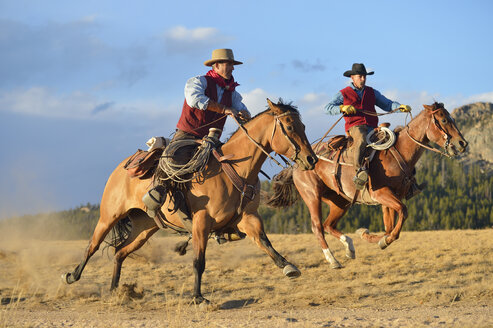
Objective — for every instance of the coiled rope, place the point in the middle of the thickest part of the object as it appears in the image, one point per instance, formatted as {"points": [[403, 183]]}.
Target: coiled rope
{"points": [[182, 173], [380, 139]]}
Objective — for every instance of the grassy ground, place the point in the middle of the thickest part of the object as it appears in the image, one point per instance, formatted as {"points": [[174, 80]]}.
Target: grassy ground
{"points": [[438, 278]]}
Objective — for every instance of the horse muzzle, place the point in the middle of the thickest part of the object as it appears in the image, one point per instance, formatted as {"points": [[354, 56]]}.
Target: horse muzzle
{"points": [[307, 162], [457, 147]]}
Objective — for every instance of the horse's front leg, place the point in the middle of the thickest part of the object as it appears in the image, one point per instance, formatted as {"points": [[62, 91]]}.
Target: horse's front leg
{"points": [[388, 199], [202, 225], [252, 225], [388, 222]]}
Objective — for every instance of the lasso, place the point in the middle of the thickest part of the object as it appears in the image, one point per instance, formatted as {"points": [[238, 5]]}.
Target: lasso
{"points": [[385, 138], [189, 171]]}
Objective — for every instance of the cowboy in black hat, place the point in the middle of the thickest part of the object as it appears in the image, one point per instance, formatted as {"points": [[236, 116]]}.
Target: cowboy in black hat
{"points": [[357, 103]]}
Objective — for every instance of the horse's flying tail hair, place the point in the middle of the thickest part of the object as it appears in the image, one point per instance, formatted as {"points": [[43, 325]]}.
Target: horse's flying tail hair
{"points": [[284, 190]]}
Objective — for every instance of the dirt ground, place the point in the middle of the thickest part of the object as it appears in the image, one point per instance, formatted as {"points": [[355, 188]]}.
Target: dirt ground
{"points": [[438, 279]]}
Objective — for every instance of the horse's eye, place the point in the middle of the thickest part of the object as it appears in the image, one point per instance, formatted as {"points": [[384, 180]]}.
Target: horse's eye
{"points": [[444, 120], [289, 128]]}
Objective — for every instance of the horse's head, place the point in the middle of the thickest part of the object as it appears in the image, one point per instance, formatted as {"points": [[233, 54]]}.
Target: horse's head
{"points": [[288, 136], [443, 131]]}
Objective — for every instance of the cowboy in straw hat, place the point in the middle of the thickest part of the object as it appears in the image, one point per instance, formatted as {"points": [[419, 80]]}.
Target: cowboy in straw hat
{"points": [[355, 102], [209, 99]]}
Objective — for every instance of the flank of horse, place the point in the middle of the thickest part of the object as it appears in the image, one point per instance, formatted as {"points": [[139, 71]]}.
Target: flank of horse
{"points": [[213, 202], [388, 181]]}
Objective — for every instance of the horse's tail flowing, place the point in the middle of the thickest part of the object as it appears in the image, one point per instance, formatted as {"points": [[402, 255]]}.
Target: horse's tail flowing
{"points": [[285, 193]]}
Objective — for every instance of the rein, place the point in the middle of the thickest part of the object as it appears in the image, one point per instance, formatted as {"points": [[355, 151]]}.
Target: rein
{"points": [[333, 125], [296, 149], [445, 135]]}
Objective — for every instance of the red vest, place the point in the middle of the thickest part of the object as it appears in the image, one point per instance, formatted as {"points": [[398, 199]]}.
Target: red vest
{"points": [[192, 120], [367, 104]]}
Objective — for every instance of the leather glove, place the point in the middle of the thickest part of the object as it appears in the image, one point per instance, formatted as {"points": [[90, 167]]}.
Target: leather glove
{"points": [[405, 108], [347, 109]]}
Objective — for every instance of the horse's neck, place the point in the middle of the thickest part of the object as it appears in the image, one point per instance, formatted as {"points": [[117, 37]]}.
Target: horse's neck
{"points": [[248, 158], [410, 151]]}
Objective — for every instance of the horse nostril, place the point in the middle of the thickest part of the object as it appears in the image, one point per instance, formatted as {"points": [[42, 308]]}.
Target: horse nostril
{"points": [[463, 144], [311, 160]]}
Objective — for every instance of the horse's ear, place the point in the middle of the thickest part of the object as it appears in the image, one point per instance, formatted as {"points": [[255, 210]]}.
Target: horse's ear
{"points": [[271, 104], [428, 107]]}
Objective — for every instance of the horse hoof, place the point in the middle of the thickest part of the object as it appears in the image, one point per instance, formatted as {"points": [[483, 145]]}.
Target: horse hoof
{"points": [[336, 265], [200, 300], [291, 271], [383, 243], [351, 254], [67, 278], [361, 231]]}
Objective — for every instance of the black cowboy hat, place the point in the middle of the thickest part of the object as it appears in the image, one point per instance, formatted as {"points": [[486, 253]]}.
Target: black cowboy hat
{"points": [[357, 69]]}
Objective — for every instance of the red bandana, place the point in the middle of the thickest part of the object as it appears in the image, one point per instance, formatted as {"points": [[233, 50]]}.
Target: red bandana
{"points": [[229, 85]]}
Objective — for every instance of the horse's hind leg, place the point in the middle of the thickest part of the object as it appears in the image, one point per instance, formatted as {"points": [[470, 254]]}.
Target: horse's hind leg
{"points": [[338, 206], [310, 188], [252, 225], [100, 232], [142, 229]]}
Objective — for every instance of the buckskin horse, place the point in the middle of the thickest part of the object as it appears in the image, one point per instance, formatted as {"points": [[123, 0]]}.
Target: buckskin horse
{"points": [[214, 202], [390, 174]]}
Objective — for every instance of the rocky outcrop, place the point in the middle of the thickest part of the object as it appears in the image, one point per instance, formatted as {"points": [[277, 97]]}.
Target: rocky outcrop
{"points": [[476, 124]]}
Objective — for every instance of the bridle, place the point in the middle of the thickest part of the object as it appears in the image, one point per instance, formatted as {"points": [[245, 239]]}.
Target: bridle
{"points": [[444, 133], [277, 122]]}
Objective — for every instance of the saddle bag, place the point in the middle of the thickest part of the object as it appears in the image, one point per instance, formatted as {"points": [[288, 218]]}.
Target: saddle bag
{"points": [[143, 163]]}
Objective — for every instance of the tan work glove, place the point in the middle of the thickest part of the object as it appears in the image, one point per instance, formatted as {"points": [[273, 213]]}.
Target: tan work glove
{"points": [[405, 108], [347, 109]]}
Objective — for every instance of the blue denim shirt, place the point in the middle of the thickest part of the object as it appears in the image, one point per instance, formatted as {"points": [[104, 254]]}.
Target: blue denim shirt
{"points": [[381, 101]]}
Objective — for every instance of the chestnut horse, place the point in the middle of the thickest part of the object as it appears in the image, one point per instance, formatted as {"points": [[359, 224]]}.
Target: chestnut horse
{"points": [[214, 202], [389, 181]]}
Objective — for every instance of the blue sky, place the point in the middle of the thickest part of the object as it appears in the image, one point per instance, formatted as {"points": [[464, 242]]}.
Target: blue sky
{"points": [[84, 84]]}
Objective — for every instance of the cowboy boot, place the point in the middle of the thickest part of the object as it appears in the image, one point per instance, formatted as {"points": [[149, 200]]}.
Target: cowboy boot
{"points": [[153, 200]]}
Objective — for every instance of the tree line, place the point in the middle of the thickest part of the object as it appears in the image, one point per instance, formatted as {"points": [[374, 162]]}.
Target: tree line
{"points": [[457, 197]]}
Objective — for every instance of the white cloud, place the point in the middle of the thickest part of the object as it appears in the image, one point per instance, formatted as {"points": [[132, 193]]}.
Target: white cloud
{"points": [[256, 100], [180, 39]]}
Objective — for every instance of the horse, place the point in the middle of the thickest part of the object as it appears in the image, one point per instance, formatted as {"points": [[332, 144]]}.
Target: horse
{"points": [[215, 204], [390, 177]]}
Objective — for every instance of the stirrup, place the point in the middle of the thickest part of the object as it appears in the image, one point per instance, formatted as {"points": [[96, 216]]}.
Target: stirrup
{"points": [[360, 179]]}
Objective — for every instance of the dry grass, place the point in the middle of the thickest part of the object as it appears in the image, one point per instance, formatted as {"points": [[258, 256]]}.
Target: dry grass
{"points": [[441, 278]]}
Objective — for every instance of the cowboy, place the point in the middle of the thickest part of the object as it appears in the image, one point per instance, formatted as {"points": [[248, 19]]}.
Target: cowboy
{"points": [[357, 103], [208, 100]]}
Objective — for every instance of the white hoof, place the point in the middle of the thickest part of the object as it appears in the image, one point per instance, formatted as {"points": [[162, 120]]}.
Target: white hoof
{"points": [[361, 231]]}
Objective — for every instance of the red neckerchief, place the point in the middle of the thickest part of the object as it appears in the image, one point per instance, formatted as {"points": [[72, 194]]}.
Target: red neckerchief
{"points": [[229, 85]]}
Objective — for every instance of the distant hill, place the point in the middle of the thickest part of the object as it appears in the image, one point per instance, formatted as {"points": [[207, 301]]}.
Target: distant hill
{"points": [[476, 124]]}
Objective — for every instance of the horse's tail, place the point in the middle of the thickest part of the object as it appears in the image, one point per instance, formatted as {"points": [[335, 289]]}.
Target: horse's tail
{"points": [[119, 233], [285, 193]]}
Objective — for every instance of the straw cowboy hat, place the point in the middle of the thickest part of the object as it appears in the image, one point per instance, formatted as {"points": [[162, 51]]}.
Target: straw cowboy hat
{"points": [[222, 55], [357, 69]]}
